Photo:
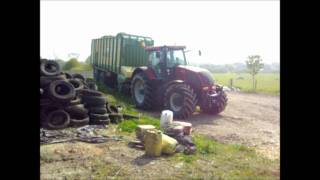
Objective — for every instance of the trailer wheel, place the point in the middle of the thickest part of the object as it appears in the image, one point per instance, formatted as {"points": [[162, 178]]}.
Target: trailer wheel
{"points": [[181, 99], [141, 91]]}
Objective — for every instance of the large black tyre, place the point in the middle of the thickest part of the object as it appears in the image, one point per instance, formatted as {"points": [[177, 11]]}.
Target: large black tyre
{"points": [[49, 68], [57, 119], [141, 91], [61, 91], [216, 104], [181, 99]]}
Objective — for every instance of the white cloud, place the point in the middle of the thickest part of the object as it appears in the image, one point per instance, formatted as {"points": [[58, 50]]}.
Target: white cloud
{"points": [[224, 31]]}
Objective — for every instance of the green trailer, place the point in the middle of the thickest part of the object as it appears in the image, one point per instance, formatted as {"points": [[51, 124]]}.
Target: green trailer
{"points": [[114, 58]]}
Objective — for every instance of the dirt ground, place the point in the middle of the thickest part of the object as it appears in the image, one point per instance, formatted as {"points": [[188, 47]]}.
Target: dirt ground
{"points": [[249, 119]]}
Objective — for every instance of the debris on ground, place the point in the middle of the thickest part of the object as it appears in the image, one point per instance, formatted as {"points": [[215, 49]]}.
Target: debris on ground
{"points": [[72, 100], [86, 133], [175, 138]]}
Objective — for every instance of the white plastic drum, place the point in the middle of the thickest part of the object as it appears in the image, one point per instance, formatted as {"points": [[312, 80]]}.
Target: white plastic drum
{"points": [[166, 118]]}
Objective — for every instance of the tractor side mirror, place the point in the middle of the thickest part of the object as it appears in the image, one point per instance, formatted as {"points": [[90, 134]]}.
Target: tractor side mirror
{"points": [[157, 54]]}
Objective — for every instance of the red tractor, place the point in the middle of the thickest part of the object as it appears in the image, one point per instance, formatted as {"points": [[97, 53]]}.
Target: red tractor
{"points": [[168, 82]]}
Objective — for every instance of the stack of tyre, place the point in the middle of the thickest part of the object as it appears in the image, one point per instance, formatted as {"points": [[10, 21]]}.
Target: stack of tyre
{"points": [[61, 94], [95, 102]]}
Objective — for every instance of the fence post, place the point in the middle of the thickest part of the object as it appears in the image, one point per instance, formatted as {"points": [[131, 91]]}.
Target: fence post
{"points": [[231, 83], [255, 84]]}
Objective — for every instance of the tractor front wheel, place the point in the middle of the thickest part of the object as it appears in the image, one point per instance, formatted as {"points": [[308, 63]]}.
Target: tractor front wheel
{"points": [[181, 99], [141, 91]]}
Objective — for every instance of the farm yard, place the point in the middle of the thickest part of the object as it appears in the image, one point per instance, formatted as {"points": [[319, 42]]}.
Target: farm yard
{"points": [[240, 143]]}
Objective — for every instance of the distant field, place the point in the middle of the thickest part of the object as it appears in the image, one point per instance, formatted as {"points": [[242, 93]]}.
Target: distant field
{"points": [[266, 82]]}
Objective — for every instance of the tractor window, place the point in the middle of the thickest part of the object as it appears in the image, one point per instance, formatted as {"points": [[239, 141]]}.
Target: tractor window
{"points": [[175, 58]]}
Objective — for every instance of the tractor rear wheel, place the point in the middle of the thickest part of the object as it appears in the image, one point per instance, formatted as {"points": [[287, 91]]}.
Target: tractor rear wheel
{"points": [[181, 99], [141, 91], [217, 104]]}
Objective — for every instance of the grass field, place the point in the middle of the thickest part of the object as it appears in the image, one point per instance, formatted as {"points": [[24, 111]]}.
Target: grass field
{"points": [[268, 83]]}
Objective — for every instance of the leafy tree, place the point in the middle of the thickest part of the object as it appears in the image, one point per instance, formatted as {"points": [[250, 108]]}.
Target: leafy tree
{"points": [[254, 65], [72, 63]]}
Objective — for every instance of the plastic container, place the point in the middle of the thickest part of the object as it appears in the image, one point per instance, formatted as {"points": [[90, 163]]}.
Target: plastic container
{"points": [[169, 144], [187, 127], [141, 130], [166, 118], [153, 142]]}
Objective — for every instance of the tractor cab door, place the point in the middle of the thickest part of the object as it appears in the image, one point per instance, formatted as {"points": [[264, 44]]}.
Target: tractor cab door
{"points": [[157, 63]]}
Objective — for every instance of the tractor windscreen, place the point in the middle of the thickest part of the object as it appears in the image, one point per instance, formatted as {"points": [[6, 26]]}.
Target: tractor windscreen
{"points": [[175, 57]]}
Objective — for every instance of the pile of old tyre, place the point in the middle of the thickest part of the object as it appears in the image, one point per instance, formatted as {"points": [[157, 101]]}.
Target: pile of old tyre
{"points": [[69, 100]]}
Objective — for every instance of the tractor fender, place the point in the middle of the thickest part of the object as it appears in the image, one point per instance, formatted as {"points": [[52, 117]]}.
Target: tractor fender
{"points": [[149, 72], [167, 84]]}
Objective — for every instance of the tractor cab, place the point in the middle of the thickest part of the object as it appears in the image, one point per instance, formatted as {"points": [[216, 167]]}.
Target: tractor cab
{"points": [[164, 59]]}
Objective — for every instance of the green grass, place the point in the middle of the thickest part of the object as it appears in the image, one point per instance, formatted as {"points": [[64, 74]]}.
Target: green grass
{"points": [[126, 102], [81, 67], [226, 161], [268, 83]]}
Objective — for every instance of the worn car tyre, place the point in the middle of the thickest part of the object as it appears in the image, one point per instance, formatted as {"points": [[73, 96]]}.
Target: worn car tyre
{"points": [[116, 118], [61, 91], [98, 110], [77, 111], [79, 122], [112, 108], [93, 100], [90, 92], [78, 76], [181, 99], [141, 91], [49, 68], [46, 80], [68, 76], [98, 116], [217, 104], [99, 122], [77, 84], [45, 102], [57, 119], [92, 86]]}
